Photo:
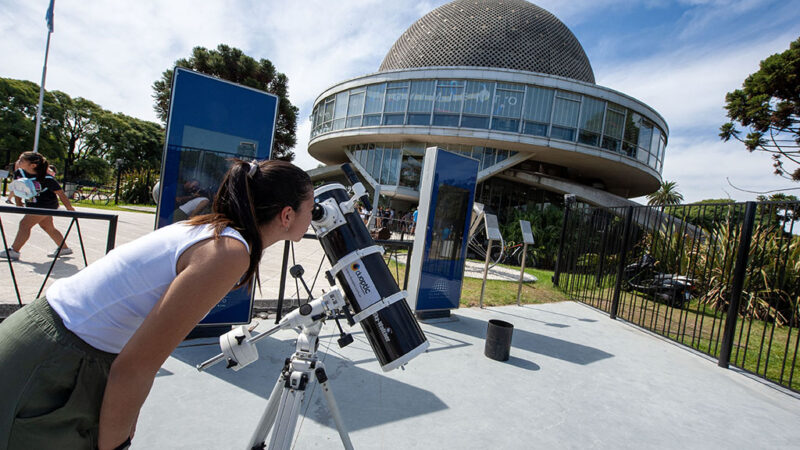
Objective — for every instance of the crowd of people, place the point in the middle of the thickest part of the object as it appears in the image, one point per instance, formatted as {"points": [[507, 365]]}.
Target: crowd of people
{"points": [[395, 222]]}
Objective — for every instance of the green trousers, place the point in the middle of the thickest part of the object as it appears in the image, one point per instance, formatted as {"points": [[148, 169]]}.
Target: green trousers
{"points": [[51, 382]]}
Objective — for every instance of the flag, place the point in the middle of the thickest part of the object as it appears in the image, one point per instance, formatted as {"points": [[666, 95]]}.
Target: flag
{"points": [[49, 16]]}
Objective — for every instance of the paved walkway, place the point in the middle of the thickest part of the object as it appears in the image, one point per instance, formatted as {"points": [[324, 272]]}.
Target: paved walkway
{"points": [[33, 265], [576, 379]]}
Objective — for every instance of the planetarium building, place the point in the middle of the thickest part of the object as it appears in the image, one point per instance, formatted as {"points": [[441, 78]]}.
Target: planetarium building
{"points": [[507, 83]]}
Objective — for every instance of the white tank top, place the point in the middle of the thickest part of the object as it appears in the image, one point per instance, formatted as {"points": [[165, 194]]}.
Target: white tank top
{"points": [[105, 303]]}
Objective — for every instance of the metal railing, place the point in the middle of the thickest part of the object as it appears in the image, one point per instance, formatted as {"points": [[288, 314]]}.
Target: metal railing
{"points": [[723, 279], [74, 215]]}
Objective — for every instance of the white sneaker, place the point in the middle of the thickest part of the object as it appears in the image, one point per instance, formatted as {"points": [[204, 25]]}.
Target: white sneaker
{"points": [[64, 252], [12, 254]]}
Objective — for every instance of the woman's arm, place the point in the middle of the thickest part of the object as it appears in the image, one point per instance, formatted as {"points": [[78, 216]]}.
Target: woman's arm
{"points": [[206, 272], [64, 200]]}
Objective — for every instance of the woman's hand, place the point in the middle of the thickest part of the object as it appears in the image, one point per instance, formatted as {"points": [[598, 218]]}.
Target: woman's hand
{"points": [[64, 200], [206, 272]]}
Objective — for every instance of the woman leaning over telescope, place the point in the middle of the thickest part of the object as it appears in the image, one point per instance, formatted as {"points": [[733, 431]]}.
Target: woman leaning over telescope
{"points": [[77, 364]]}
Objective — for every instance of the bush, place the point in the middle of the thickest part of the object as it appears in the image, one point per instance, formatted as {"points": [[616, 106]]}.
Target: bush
{"points": [[136, 186], [546, 228]]}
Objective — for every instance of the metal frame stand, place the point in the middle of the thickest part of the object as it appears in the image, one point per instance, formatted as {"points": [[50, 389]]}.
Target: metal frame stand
{"points": [[283, 408]]}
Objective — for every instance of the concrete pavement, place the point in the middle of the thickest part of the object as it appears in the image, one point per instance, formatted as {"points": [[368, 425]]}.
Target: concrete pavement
{"points": [[576, 379]]}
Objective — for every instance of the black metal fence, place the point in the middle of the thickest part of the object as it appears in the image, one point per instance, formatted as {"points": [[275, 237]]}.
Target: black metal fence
{"points": [[723, 279], [74, 215]]}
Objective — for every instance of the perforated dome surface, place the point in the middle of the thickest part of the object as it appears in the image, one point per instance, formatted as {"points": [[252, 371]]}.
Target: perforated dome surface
{"points": [[509, 34]]}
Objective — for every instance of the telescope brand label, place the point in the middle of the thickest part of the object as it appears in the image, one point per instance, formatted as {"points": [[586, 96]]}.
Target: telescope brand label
{"points": [[361, 284]]}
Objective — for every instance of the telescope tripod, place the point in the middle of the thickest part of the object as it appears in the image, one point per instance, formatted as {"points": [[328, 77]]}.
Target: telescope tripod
{"points": [[299, 372], [297, 377]]}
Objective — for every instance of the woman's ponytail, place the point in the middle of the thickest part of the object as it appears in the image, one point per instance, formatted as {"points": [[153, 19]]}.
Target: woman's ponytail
{"points": [[251, 195]]}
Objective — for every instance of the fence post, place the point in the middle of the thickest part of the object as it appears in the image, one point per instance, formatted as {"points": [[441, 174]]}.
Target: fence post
{"points": [[602, 258], [560, 257], [621, 264], [112, 234], [737, 284]]}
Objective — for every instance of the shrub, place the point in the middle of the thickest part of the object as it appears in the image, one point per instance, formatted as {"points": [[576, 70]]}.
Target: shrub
{"points": [[136, 186]]}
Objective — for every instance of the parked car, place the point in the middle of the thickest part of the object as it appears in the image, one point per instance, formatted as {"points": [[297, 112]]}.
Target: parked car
{"points": [[671, 289]]}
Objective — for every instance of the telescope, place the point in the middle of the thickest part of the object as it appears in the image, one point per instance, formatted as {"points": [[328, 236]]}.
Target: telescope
{"points": [[369, 295], [357, 264]]}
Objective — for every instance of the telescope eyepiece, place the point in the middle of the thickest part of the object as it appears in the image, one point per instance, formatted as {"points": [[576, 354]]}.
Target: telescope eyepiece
{"points": [[317, 213]]}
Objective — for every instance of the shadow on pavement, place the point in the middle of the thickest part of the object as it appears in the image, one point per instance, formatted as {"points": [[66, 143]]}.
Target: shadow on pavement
{"points": [[532, 342], [360, 408]]}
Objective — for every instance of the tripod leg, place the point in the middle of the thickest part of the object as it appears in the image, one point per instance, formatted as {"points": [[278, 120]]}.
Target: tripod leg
{"points": [[288, 411], [268, 417], [322, 378]]}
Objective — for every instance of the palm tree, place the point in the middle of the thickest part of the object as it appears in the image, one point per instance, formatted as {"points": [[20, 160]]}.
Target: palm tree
{"points": [[667, 194]]}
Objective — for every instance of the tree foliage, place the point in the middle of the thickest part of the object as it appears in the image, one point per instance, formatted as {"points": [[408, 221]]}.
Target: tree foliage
{"points": [[768, 106], [546, 227], [667, 194], [232, 64], [18, 103], [77, 134]]}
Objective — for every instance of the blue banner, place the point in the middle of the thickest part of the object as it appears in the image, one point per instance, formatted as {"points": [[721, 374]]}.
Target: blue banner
{"points": [[211, 121]]}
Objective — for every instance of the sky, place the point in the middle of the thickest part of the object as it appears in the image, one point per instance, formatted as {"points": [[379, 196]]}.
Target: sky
{"points": [[680, 57]]}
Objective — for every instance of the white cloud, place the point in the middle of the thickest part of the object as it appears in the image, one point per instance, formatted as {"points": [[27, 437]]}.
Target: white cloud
{"points": [[112, 52], [688, 85], [702, 169]]}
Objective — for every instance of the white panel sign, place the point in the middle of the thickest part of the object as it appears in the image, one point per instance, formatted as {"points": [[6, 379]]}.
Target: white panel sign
{"points": [[527, 235], [492, 228]]}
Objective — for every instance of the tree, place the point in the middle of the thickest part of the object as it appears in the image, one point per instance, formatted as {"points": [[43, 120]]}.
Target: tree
{"points": [[75, 132], [232, 64], [667, 194], [768, 105], [138, 144], [19, 100], [81, 132]]}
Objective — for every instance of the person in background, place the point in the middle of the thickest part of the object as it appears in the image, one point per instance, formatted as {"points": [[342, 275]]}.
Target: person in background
{"points": [[77, 365], [34, 166]]}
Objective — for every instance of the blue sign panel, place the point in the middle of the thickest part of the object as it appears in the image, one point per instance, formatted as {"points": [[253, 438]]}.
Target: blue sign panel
{"points": [[446, 197], [210, 121]]}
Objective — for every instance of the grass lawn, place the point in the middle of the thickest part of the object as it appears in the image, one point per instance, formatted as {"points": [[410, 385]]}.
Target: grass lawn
{"points": [[498, 292], [759, 347], [86, 203]]}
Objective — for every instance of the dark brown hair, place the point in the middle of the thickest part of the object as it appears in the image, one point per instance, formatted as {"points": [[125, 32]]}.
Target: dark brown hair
{"points": [[39, 160], [247, 199]]}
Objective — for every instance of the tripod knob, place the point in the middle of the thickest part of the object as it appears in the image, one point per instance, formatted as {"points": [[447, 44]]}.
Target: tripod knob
{"points": [[345, 340]]}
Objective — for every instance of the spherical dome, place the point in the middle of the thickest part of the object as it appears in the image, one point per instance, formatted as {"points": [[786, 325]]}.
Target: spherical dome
{"points": [[510, 34]]}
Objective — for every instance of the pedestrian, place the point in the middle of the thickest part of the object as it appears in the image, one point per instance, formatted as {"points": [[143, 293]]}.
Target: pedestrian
{"points": [[33, 167], [77, 364]]}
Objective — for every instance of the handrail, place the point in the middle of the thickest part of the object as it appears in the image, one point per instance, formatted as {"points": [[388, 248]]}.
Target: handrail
{"points": [[75, 215]]}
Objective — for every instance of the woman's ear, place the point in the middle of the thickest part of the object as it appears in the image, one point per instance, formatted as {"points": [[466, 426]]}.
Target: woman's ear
{"points": [[287, 214]]}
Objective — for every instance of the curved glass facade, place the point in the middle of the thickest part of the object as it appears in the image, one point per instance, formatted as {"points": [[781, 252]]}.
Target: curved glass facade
{"points": [[500, 106], [400, 163]]}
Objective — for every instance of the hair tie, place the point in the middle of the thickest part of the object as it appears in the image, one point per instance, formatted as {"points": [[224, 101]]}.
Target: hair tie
{"points": [[253, 168]]}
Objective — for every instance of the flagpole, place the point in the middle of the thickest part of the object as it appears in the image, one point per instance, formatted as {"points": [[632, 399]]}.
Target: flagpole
{"points": [[41, 97], [49, 19]]}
